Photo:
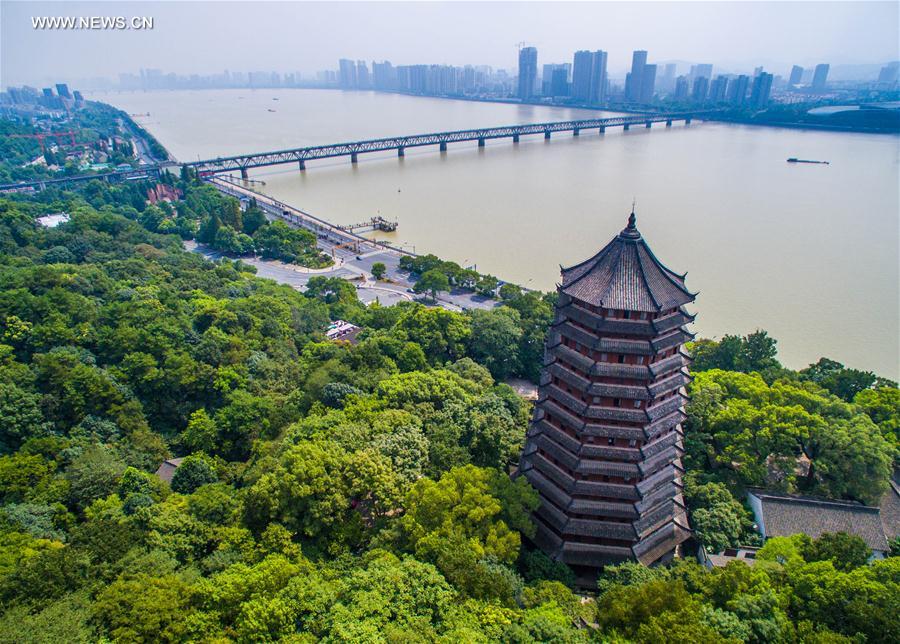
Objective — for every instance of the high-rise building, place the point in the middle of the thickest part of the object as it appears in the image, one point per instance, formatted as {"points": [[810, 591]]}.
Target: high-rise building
{"points": [[362, 75], [559, 82], [347, 73], [682, 87], [527, 72], [737, 89], [589, 76], [634, 79], [698, 71], [889, 73], [667, 82], [648, 83], [718, 89], [762, 87], [384, 76], [796, 76], [820, 77], [700, 89], [63, 90], [603, 449]]}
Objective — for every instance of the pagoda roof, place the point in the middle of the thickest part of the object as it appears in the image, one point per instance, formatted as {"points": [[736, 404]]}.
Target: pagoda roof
{"points": [[626, 275]]}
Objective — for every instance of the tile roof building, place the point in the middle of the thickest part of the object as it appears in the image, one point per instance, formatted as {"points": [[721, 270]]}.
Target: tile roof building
{"points": [[604, 447], [781, 515], [167, 469]]}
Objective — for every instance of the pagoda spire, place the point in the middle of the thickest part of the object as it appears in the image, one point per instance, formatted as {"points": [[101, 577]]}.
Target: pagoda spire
{"points": [[631, 231]]}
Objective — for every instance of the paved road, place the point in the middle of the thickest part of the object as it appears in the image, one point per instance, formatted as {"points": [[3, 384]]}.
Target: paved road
{"points": [[354, 264]]}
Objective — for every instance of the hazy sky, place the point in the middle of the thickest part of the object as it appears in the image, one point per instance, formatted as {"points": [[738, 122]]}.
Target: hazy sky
{"points": [[205, 37]]}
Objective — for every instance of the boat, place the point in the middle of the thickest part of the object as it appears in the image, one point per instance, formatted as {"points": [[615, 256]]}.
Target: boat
{"points": [[796, 160], [271, 110]]}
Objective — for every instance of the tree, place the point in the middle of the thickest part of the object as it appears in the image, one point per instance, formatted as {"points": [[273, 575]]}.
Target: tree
{"points": [[494, 340], [194, 471], [510, 291], [840, 381], [433, 282], [143, 608], [845, 551], [378, 270]]}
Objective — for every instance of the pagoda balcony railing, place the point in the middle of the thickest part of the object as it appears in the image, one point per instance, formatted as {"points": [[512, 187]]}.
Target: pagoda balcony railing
{"points": [[603, 508], [558, 435], [669, 322], [591, 467], [666, 342], [588, 554], [660, 540], [609, 490], [629, 392], [562, 352], [579, 335], [668, 384], [616, 413], [558, 411], [654, 518], [545, 538], [618, 345], [547, 488], [663, 424], [601, 529], [613, 431], [666, 407], [614, 370], [564, 373], [553, 472], [651, 449], [678, 361], [603, 325], [557, 451], [625, 454], [665, 475], [553, 516], [557, 394], [668, 455], [661, 494]]}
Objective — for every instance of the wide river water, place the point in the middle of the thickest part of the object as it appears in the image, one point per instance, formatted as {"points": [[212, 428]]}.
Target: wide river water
{"points": [[807, 252]]}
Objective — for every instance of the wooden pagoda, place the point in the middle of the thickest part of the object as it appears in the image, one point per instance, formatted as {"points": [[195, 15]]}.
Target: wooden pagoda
{"points": [[604, 447]]}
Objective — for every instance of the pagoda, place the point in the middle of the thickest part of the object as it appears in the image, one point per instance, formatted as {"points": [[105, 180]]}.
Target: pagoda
{"points": [[605, 443]]}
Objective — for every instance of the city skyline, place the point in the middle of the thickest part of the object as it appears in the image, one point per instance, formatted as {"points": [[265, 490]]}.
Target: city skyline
{"points": [[736, 35]]}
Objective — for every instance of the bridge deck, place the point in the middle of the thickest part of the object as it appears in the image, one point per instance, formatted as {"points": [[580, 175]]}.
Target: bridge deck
{"points": [[243, 162]]}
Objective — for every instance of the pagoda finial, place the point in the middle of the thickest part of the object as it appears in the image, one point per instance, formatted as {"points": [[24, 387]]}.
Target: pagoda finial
{"points": [[631, 231]]}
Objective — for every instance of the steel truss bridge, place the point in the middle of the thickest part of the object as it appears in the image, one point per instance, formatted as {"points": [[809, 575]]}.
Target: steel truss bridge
{"points": [[243, 163], [353, 149]]}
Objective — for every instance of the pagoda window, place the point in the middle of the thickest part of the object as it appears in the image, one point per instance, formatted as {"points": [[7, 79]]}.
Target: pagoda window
{"points": [[604, 357], [617, 402], [643, 315], [627, 315], [621, 358], [640, 360], [632, 443], [637, 404]]}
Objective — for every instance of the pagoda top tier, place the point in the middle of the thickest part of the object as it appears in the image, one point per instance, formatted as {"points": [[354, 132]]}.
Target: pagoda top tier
{"points": [[626, 275]]}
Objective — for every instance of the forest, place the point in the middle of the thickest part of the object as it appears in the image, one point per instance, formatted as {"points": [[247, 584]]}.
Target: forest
{"points": [[362, 493]]}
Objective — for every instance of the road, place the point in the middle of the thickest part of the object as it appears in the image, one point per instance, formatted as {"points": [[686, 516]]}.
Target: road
{"points": [[353, 255]]}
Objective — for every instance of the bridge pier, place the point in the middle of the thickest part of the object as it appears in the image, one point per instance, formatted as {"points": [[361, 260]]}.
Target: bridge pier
{"points": [[576, 132], [625, 127], [546, 134], [354, 158], [602, 129], [400, 152], [687, 121], [649, 124], [443, 146], [244, 174], [302, 164], [480, 143], [515, 138], [669, 123]]}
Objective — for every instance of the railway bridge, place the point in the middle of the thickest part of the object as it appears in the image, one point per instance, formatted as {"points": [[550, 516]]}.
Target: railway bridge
{"points": [[352, 149]]}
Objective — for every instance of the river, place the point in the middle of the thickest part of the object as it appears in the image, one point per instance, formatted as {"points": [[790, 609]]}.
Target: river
{"points": [[807, 252]]}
